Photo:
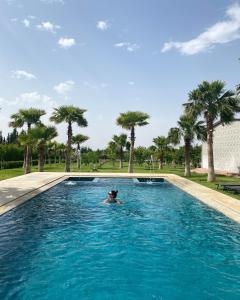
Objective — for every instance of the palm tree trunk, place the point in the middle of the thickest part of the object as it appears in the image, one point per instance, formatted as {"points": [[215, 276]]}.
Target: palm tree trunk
{"points": [[161, 159], [78, 157], [55, 155], [24, 157], [121, 158], [41, 158], [211, 172], [68, 148], [49, 158], [187, 158], [28, 160], [131, 155]]}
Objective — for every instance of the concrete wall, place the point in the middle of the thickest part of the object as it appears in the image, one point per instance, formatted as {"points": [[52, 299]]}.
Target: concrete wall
{"points": [[226, 148]]}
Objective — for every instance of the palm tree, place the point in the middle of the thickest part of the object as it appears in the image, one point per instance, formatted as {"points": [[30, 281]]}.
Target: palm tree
{"points": [[69, 114], [161, 143], [55, 146], [112, 151], [26, 139], [121, 142], [26, 117], [60, 151], [129, 121], [213, 102], [78, 140], [42, 135], [188, 128]]}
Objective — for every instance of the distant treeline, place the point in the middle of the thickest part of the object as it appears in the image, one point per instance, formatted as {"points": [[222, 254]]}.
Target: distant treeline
{"points": [[12, 154]]}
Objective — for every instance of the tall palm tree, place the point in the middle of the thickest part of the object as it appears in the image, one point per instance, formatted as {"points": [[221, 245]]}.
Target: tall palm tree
{"points": [[26, 117], [211, 101], [162, 144], [129, 121], [188, 128], [121, 142], [78, 140], [42, 134], [69, 114]]}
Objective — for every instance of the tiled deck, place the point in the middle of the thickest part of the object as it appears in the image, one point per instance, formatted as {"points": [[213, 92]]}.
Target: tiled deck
{"points": [[17, 190]]}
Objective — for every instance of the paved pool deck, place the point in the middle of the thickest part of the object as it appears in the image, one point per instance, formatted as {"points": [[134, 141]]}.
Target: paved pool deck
{"points": [[18, 190]]}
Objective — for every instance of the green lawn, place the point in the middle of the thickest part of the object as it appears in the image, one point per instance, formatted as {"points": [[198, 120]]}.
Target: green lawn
{"points": [[199, 178]]}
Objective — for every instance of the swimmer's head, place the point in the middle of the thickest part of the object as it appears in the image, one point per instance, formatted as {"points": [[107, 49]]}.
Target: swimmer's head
{"points": [[113, 194]]}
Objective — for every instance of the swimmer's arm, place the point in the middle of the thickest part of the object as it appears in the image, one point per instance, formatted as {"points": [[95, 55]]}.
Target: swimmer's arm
{"points": [[105, 201]]}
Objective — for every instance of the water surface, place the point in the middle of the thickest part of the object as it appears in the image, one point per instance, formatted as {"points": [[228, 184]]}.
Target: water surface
{"points": [[160, 244]]}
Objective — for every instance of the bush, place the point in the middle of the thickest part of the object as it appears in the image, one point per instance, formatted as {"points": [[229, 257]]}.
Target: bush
{"points": [[14, 164]]}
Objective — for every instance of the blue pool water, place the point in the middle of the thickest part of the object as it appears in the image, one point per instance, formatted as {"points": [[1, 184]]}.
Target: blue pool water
{"points": [[160, 244]]}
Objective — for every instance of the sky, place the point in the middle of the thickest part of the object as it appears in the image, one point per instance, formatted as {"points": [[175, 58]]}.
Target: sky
{"points": [[112, 56]]}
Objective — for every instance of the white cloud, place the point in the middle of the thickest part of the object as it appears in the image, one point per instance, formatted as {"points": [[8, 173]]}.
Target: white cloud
{"points": [[103, 25], [131, 82], [22, 74], [30, 99], [66, 42], [14, 20], [131, 47], [14, 3], [48, 26], [2, 101], [53, 1], [90, 85], [26, 23], [220, 33], [34, 98], [64, 87], [102, 85]]}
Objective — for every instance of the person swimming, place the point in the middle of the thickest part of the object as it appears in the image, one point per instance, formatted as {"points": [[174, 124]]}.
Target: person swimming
{"points": [[112, 198]]}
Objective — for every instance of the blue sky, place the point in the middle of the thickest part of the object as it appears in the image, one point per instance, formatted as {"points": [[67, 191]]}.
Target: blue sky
{"points": [[110, 56]]}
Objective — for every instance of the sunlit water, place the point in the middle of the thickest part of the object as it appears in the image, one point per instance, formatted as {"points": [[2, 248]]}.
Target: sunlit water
{"points": [[160, 244]]}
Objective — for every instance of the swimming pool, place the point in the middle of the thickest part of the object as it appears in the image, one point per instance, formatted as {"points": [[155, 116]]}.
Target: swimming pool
{"points": [[160, 244]]}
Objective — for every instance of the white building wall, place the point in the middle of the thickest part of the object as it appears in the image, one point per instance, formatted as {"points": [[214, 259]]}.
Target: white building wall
{"points": [[226, 148]]}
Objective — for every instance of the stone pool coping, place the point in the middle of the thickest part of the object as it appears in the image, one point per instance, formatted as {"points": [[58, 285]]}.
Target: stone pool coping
{"points": [[17, 190]]}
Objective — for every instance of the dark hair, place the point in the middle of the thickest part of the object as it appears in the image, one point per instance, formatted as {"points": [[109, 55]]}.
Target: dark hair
{"points": [[114, 193]]}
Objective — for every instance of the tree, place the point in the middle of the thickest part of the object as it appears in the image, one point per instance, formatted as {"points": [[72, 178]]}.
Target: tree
{"points": [[188, 128], [60, 151], [129, 121], [41, 135], [26, 117], [112, 151], [211, 101], [69, 114], [26, 139], [121, 143], [161, 143], [78, 140], [141, 155]]}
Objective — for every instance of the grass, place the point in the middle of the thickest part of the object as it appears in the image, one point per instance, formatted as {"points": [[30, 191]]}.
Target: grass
{"points": [[107, 168]]}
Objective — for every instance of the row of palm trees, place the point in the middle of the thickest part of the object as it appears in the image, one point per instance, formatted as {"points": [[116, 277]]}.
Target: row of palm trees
{"points": [[39, 135], [206, 104]]}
